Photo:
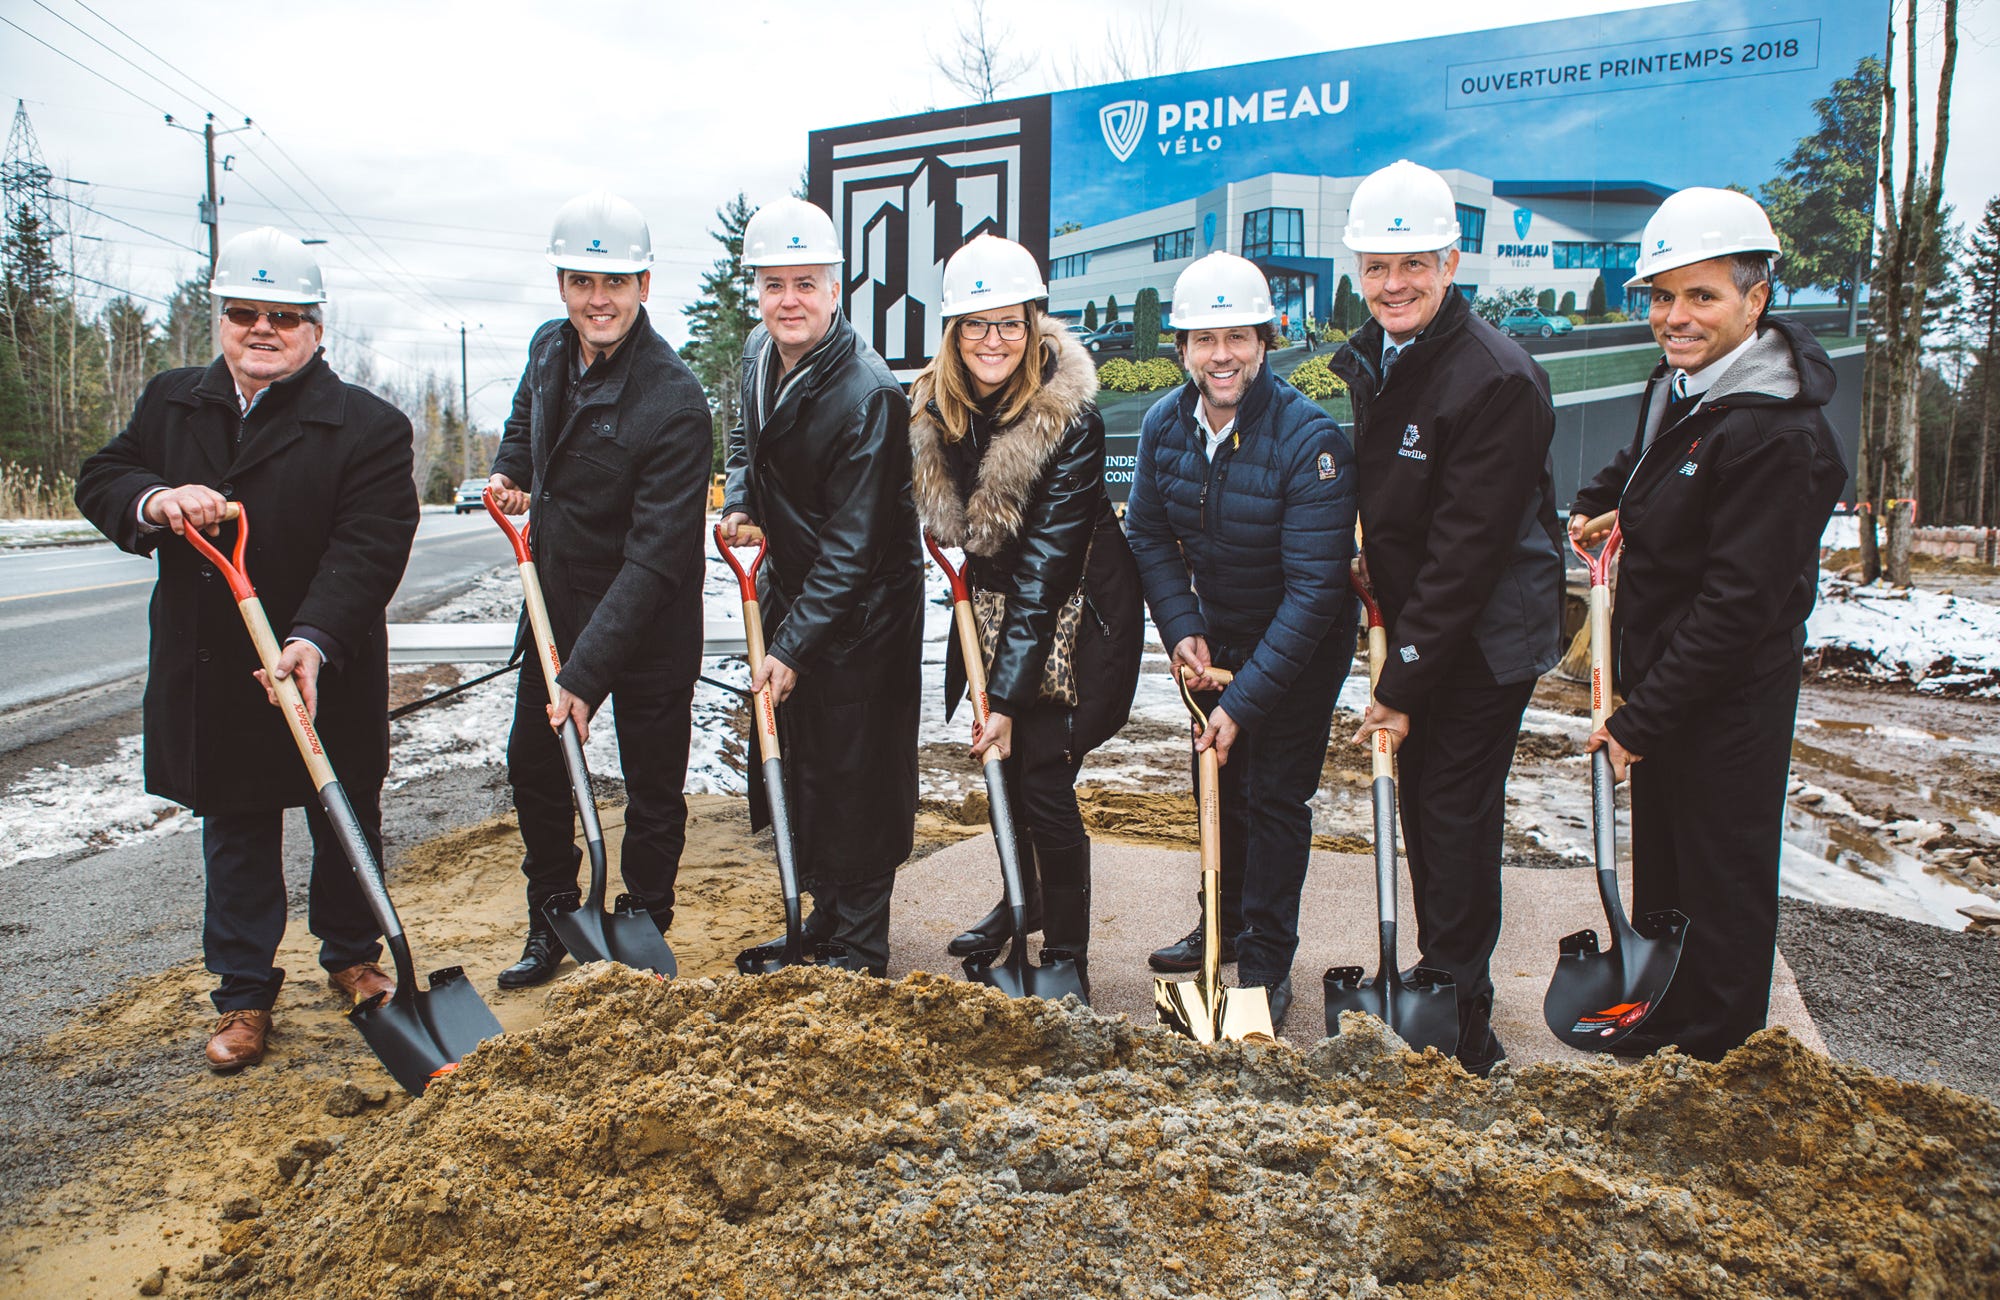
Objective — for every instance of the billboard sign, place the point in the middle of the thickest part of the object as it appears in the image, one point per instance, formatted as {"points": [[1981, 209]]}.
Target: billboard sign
{"points": [[1558, 138]]}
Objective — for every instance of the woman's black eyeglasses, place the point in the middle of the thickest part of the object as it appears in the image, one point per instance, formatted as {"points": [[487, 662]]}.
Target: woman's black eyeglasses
{"points": [[1012, 331]]}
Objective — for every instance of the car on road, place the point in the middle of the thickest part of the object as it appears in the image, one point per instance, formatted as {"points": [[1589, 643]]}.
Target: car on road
{"points": [[1524, 321], [1115, 337], [471, 495]]}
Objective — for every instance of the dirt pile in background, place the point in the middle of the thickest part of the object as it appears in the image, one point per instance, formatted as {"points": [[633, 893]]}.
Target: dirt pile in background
{"points": [[816, 1134]]}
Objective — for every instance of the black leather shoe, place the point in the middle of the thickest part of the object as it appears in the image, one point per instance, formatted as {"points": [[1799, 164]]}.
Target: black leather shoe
{"points": [[539, 959], [1280, 997], [991, 931], [1185, 954]]}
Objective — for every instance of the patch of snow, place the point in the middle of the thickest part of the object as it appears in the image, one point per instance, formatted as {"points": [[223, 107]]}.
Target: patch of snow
{"points": [[1939, 643], [51, 811]]}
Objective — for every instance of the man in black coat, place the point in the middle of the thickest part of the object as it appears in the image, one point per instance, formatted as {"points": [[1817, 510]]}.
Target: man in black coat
{"points": [[1721, 497], [821, 463], [1461, 544], [322, 469], [607, 449]]}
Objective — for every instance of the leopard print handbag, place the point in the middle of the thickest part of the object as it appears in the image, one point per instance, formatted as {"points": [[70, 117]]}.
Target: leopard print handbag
{"points": [[1058, 684]]}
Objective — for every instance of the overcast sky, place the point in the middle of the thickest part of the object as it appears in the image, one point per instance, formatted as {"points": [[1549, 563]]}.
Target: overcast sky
{"points": [[430, 141]]}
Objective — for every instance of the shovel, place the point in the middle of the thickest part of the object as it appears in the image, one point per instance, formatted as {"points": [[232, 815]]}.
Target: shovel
{"points": [[765, 958], [627, 933], [417, 1035], [1596, 998], [1422, 1005], [1201, 1008], [1016, 976]]}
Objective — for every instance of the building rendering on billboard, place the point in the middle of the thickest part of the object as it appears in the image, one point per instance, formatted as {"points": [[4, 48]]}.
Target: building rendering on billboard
{"points": [[1559, 139]]}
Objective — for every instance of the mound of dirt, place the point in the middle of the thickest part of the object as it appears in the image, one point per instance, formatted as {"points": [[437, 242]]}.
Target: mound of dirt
{"points": [[816, 1134]]}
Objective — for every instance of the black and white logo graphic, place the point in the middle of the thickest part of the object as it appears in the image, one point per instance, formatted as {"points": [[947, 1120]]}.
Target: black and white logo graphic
{"points": [[908, 193]]}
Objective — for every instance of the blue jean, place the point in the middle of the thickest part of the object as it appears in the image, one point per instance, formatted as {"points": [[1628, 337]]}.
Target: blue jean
{"points": [[1272, 774]]}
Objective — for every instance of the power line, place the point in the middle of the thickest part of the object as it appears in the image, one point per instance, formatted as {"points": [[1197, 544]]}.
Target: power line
{"points": [[120, 289], [172, 90], [78, 203], [85, 66], [161, 60]]}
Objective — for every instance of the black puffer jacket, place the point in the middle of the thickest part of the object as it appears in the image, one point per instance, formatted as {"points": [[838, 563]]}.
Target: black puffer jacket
{"points": [[618, 473], [1458, 512], [1722, 515], [823, 466], [1027, 504]]}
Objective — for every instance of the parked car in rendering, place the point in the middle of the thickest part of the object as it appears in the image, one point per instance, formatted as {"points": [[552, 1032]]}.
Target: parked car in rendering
{"points": [[471, 495], [1524, 321], [1115, 337]]}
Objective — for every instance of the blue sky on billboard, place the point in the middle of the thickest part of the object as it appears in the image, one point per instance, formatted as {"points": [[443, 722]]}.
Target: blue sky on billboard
{"points": [[1709, 93]]}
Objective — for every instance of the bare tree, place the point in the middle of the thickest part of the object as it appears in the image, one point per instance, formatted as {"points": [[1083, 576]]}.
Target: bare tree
{"points": [[1910, 253], [978, 63], [1156, 43]]}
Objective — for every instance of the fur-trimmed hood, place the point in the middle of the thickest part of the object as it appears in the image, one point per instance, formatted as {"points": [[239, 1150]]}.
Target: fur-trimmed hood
{"points": [[990, 518]]}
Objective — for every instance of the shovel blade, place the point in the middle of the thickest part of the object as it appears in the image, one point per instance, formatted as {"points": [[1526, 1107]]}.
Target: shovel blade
{"points": [[1017, 977], [1235, 1015], [1596, 998], [626, 935], [418, 1036], [770, 958], [1422, 1009]]}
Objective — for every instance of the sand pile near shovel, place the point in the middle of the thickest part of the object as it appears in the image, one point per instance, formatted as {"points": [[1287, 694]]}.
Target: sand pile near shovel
{"points": [[816, 1134]]}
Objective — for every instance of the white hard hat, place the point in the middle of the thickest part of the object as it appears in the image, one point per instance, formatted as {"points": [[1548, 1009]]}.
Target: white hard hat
{"points": [[267, 265], [599, 231], [1220, 290], [1402, 208], [990, 272], [1696, 224], [791, 232]]}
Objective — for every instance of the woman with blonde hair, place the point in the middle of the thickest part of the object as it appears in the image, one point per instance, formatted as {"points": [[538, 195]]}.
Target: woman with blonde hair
{"points": [[1009, 466]]}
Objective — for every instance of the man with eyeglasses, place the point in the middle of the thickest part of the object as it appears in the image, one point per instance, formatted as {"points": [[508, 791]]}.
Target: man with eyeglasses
{"points": [[607, 449], [323, 469]]}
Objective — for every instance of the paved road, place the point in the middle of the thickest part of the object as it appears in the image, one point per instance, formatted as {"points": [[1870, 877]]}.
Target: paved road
{"points": [[73, 620]]}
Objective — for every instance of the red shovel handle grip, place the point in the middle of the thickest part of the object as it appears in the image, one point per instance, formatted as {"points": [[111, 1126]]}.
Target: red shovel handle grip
{"points": [[960, 588], [1361, 589], [1600, 563], [518, 536], [232, 568], [746, 578]]}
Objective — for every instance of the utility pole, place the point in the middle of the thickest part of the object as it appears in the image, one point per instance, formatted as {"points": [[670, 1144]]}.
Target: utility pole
{"points": [[464, 407], [209, 209]]}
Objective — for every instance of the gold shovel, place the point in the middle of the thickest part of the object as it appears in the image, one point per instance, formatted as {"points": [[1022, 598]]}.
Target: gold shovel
{"points": [[1201, 1008]]}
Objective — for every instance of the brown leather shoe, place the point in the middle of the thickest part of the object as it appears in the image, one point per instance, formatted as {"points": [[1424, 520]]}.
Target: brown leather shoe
{"points": [[361, 981], [238, 1040]]}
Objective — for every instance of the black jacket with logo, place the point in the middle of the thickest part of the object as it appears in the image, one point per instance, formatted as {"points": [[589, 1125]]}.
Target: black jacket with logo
{"points": [[617, 467], [1722, 515], [1458, 519]]}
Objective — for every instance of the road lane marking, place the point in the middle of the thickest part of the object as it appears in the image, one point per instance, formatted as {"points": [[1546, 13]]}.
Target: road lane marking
{"points": [[71, 591], [88, 564]]}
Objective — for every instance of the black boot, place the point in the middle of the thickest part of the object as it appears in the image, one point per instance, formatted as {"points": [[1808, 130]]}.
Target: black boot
{"points": [[991, 931], [539, 958], [1066, 882], [1184, 954]]}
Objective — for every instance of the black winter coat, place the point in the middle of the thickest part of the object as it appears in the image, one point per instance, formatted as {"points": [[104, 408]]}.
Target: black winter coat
{"points": [[618, 472], [1252, 548], [1458, 512], [825, 472], [1027, 504], [323, 471], [1722, 515]]}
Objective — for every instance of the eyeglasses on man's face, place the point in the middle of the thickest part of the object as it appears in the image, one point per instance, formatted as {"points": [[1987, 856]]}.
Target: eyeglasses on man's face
{"points": [[976, 328], [246, 318]]}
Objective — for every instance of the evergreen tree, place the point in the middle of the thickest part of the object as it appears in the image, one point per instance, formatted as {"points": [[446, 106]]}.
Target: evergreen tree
{"points": [[1111, 310], [1568, 307], [1343, 305], [719, 322], [1822, 202], [1597, 296], [1090, 315], [1979, 319], [1545, 301], [1146, 325], [185, 340]]}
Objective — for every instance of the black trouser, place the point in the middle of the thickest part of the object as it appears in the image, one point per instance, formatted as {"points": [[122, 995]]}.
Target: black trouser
{"points": [[854, 913], [1451, 787], [1041, 781], [1708, 820], [1272, 774], [653, 723], [245, 917]]}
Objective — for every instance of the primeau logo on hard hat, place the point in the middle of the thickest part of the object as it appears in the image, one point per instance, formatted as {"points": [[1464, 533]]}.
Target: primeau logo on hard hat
{"points": [[1123, 123]]}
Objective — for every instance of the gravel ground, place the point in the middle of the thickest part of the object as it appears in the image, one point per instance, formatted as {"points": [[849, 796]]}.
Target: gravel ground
{"points": [[1899, 997]]}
